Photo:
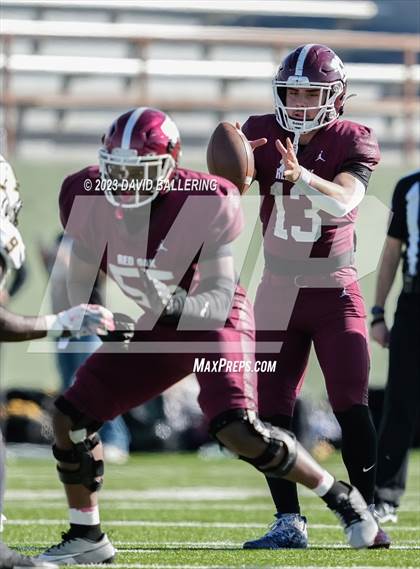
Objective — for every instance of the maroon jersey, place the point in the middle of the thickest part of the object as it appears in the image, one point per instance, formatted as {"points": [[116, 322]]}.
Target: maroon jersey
{"points": [[293, 228], [166, 236]]}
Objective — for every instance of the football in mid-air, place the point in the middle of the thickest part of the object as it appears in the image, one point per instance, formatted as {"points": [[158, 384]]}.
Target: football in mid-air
{"points": [[230, 155]]}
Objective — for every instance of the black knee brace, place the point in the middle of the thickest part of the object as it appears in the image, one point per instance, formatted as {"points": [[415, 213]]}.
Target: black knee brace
{"points": [[278, 441], [89, 469]]}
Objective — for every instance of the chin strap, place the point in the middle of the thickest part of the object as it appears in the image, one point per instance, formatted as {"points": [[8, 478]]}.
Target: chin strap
{"points": [[350, 96]]}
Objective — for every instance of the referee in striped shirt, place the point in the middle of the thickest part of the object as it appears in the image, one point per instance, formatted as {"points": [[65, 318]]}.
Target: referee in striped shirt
{"points": [[402, 393]]}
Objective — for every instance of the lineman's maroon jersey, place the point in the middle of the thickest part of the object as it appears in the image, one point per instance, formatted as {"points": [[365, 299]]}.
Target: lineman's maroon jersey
{"points": [[109, 384], [168, 232]]}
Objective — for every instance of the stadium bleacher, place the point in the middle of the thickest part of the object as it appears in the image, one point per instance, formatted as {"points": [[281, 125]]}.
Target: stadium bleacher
{"points": [[364, 9], [67, 69]]}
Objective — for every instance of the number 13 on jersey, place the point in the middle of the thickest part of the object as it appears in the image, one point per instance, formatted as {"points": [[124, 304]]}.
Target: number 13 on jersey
{"points": [[296, 231]]}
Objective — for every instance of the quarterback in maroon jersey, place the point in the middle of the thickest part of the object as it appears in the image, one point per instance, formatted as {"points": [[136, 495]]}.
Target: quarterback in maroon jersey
{"points": [[313, 169], [163, 234]]}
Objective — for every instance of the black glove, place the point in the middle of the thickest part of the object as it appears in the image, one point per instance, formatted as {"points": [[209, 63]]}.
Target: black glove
{"points": [[164, 303], [124, 329]]}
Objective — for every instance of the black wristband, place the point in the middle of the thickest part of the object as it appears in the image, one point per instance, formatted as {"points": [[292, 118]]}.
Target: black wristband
{"points": [[377, 310], [377, 320]]}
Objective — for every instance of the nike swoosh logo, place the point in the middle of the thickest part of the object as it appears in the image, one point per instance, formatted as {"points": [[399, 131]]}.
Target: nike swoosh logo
{"points": [[367, 469]]}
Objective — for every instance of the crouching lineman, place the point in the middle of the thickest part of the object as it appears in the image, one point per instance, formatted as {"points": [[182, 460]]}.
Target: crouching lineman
{"points": [[78, 321], [158, 241]]}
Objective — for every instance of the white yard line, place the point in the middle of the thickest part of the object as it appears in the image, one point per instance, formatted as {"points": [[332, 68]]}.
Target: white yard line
{"points": [[142, 523], [141, 545], [151, 505], [193, 493], [174, 494], [159, 549], [54, 505], [185, 524], [222, 544]]}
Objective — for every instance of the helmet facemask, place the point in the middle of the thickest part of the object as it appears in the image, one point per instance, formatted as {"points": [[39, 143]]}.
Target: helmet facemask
{"points": [[327, 110], [132, 181], [10, 200], [10, 211]]}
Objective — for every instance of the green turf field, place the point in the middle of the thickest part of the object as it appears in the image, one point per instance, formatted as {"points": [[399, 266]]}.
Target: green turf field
{"points": [[39, 222], [172, 510]]}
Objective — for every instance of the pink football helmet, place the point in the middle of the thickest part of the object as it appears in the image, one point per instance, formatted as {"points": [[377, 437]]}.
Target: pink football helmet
{"points": [[142, 145], [310, 66]]}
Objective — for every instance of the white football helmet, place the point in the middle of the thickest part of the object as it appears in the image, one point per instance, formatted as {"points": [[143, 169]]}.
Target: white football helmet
{"points": [[12, 248]]}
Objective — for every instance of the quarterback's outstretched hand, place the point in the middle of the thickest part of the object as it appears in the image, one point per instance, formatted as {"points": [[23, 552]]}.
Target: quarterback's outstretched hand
{"points": [[292, 168], [82, 320], [253, 143]]}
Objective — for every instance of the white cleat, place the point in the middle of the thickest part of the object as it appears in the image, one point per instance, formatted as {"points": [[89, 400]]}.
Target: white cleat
{"points": [[79, 551], [352, 511], [10, 559], [386, 512]]}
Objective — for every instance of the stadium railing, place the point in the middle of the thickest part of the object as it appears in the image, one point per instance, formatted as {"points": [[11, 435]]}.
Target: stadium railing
{"points": [[142, 68], [352, 9]]}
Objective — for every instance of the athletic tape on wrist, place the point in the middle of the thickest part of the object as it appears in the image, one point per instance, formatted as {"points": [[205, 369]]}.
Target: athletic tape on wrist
{"points": [[53, 325]]}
